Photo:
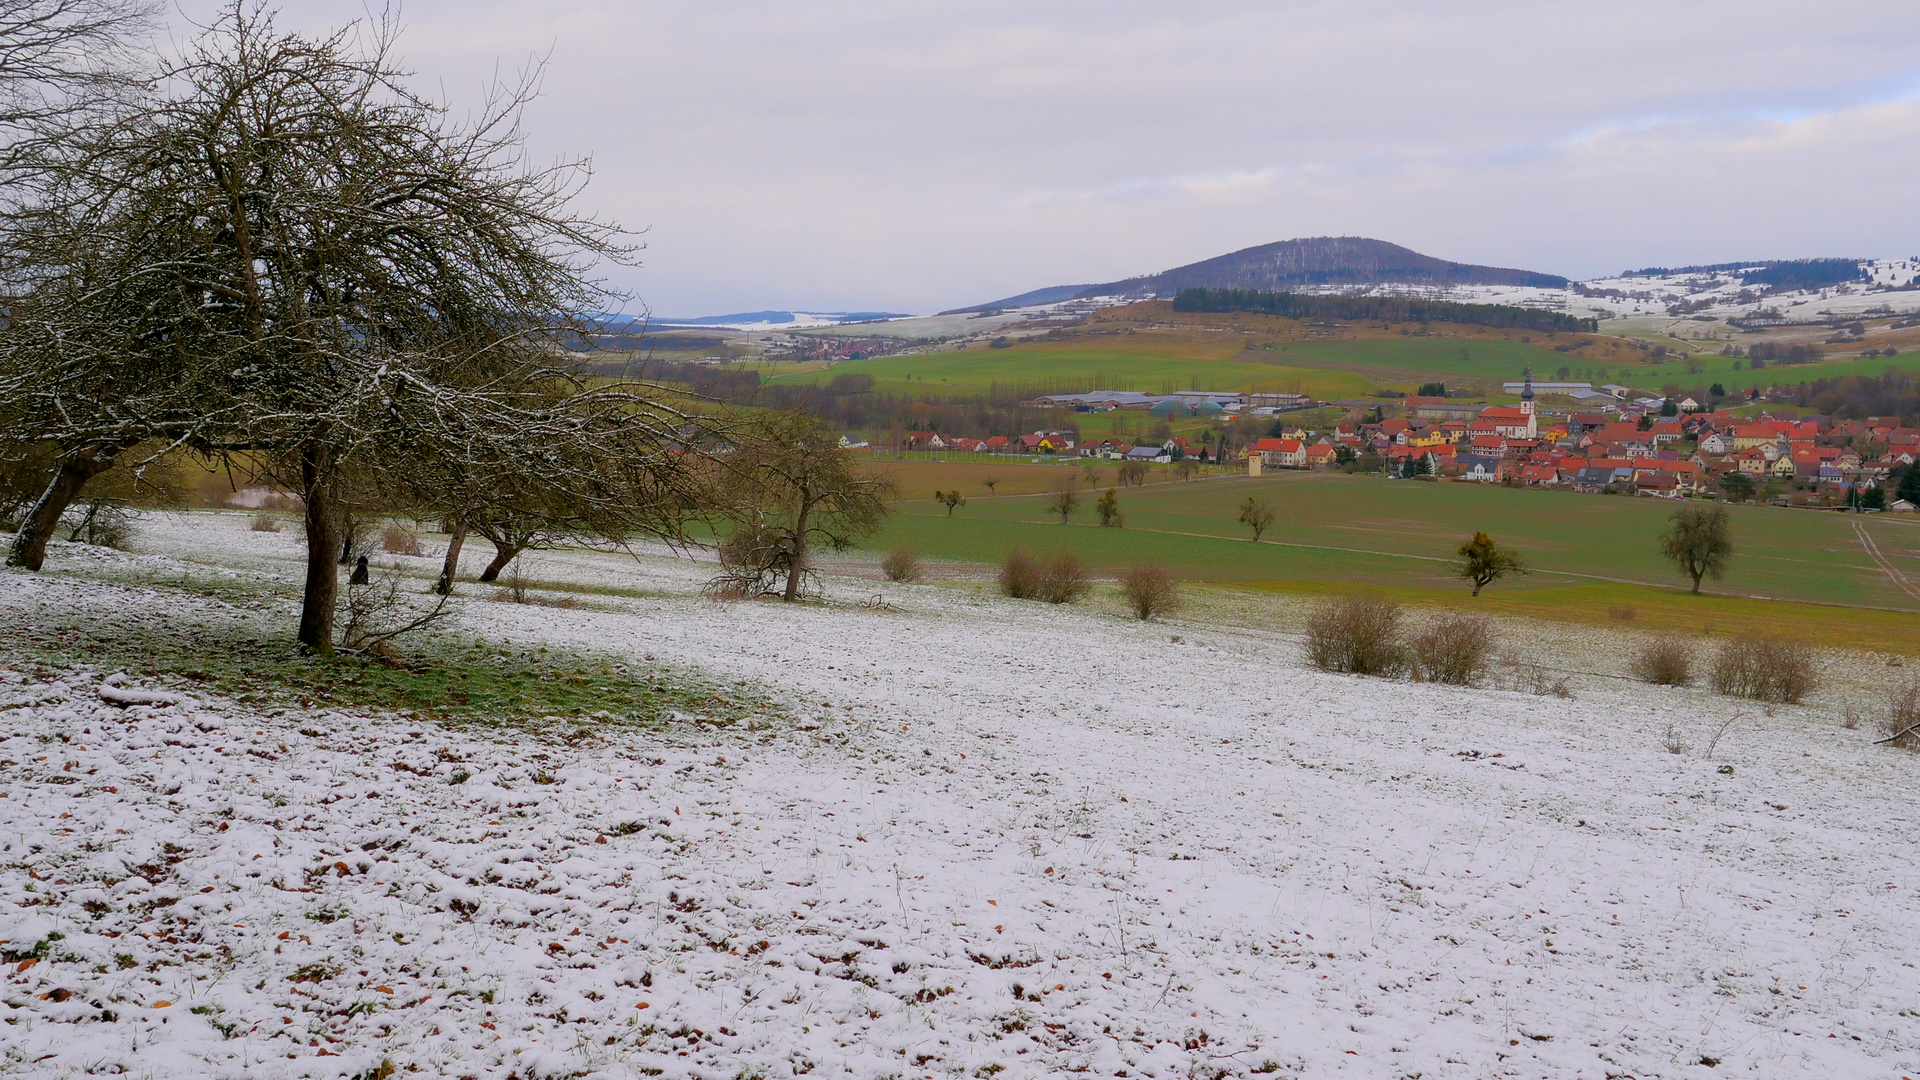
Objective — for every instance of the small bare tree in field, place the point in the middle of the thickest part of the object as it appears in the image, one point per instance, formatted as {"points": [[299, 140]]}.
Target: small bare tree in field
{"points": [[1064, 502], [1133, 474], [952, 500], [1186, 468], [1699, 542], [1108, 507], [1485, 562], [1090, 474], [1149, 590], [1255, 514], [789, 487], [990, 482]]}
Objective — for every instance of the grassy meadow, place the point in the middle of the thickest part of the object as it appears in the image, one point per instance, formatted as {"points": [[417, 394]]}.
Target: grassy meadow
{"points": [[1593, 557]]}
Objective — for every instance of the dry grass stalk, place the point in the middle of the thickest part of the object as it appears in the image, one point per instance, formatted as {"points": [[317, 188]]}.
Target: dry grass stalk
{"points": [[1453, 649], [1357, 634], [1149, 590], [264, 522], [1779, 672], [1666, 662]]}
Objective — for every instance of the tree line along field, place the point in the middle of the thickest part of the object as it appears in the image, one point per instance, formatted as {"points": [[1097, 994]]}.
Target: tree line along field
{"points": [[1591, 556]]}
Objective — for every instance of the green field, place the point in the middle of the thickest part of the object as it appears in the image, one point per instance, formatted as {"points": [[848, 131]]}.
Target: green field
{"points": [[1163, 362], [1334, 530], [1145, 362]]}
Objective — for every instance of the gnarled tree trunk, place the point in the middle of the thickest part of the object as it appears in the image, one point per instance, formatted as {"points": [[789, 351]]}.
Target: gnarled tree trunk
{"points": [[323, 549], [456, 538], [30, 545], [502, 555]]}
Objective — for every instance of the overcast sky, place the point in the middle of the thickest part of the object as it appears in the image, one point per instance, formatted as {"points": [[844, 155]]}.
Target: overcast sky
{"points": [[910, 157]]}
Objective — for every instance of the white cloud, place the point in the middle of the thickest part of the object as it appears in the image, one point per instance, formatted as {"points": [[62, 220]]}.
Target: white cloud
{"points": [[832, 154]]}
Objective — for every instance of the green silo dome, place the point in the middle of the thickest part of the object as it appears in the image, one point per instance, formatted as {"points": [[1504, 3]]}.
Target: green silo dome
{"points": [[1208, 408], [1167, 408]]}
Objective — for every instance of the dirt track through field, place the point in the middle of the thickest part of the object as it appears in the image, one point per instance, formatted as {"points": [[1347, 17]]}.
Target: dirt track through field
{"points": [[1873, 552]]}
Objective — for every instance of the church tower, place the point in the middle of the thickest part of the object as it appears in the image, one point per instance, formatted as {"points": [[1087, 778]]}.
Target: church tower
{"points": [[1526, 406]]}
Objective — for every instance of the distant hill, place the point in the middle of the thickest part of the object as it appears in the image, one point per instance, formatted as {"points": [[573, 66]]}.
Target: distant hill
{"points": [[1319, 261]]}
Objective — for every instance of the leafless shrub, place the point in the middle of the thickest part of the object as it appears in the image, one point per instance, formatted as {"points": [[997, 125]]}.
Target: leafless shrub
{"points": [[1900, 726], [1453, 649], [1063, 579], [1780, 672], [902, 564], [1622, 613], [264, 522], [102, 523], [1528, 676], [1358, 634], [1149, 590], [1666, 662], [380, 610], [1020, 574], [1060, 578], [396, 540]]}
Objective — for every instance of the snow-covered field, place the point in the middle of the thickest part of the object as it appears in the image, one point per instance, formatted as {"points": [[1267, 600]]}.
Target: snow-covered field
{"points": [[981, 838]]}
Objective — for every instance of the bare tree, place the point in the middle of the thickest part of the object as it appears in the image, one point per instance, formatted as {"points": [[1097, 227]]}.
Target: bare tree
{"points": [[1255, 514], [991, 482], [63, 64], [1133, 474], [1064, 502], [1699, 542], [789, 487], [313, 273]]}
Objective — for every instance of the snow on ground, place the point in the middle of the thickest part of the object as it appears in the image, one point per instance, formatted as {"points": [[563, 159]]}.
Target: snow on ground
{"points": [[986, 838]]}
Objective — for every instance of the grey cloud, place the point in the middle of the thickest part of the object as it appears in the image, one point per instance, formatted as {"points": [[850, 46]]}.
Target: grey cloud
{"points": [[913, 157]]}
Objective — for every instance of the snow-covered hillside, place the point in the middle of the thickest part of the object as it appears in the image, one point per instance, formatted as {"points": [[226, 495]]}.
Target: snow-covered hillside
{"points": [[1889, 286], [979, 838]]}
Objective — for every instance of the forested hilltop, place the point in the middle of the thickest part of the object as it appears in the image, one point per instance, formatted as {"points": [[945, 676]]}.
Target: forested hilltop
{"points": [[1382, 308]]}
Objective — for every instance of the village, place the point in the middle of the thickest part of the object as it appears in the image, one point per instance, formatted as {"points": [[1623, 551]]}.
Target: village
{"points": [[1603, 441]]}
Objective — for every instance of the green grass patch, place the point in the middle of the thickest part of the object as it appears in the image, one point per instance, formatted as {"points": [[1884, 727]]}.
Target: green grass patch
{"points": [[435, 677]]}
